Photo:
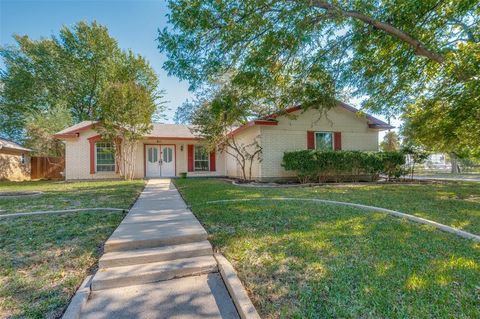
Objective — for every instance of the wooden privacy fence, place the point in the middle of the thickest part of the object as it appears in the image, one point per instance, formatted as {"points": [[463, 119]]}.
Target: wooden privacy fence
{"points": [[47, 167]]}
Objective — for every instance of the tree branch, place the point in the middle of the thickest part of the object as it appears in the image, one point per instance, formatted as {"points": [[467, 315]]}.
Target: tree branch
{"points": [[465, 29], [418, 46]]}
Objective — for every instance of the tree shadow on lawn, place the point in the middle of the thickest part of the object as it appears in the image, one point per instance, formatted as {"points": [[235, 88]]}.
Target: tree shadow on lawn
{"points": [[45, 258], [118, 195], [310, 261], [444, 203]]}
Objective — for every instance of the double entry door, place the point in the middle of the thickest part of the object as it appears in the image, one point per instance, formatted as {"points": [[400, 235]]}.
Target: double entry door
{"points": [[160, 161]]}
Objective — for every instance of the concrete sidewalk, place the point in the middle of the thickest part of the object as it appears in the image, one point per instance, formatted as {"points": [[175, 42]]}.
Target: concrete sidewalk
{"points": [[158, 264]]}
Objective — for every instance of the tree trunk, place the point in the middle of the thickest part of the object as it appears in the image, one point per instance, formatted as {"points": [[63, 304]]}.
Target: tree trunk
{"points": [[127, 159], [454, 161], [244, 173]]}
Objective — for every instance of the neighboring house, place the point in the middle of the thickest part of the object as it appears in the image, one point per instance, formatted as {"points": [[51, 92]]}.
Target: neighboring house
{"points": [[437, 161], [14, 161], [171, 149], [434, 162]]}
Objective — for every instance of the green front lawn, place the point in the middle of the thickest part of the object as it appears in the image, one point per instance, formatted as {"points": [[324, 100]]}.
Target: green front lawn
{"points": [[64, 195], [43, 259], [310, 260], [451, 203]]}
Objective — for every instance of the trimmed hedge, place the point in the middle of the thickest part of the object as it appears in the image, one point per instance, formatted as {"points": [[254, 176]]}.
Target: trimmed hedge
{"points": [[312, 165]]}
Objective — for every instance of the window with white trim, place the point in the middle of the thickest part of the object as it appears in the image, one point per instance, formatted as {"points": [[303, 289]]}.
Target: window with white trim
{"points": [[201, 158], [324, 141], [105, 157]]}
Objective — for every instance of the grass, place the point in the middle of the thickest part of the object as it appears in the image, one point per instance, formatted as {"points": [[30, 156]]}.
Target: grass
{"points": [[64, 195], [305, 260], [456, 204], [43, 259]]}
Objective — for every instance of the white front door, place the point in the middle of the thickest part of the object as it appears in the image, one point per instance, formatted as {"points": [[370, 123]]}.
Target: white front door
{"points": [[152, 161], [167, 160]]}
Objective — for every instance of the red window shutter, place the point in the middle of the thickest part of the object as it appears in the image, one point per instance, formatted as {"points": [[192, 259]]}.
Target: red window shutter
{"points": [[337, 141], [92, 157], [310, 140], [212, 162], [190, 157], [118, 156], [92, 140]]}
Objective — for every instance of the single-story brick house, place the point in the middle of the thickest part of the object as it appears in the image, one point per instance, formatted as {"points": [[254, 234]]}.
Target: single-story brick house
{"points": [[14, 161], [170, 149]]}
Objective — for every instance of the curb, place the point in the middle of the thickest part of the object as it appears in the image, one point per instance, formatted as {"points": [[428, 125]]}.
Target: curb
{"points": [[413, 218], [244, 305], [79, 300]]}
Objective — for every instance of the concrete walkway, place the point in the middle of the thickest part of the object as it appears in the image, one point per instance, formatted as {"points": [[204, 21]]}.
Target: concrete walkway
{"points": [[158, 264]]}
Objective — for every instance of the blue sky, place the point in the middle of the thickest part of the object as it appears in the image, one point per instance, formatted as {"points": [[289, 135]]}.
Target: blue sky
{"points": [[133, 23]]}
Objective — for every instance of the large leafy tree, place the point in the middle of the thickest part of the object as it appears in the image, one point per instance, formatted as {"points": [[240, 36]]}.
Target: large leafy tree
{"points": [[391, 142], [279, 53], [214, 116], [125, 110], [448, 119], [126, 106], [40, 127], [69, 71]]}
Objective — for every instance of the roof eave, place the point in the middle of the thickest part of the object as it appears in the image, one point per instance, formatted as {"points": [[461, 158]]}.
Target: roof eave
{"points": [[174, 138], [66, 135], [381, 127], [20, 149], [76, 130]]}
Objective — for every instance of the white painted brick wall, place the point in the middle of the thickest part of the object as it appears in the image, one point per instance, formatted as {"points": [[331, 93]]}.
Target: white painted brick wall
{"points": [[291, 134], [245, 137], [77, 157]]}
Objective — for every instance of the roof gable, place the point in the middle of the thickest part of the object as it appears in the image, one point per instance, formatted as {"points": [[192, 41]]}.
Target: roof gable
{"points": [[372, 121], [172, 131], [7, 144]]}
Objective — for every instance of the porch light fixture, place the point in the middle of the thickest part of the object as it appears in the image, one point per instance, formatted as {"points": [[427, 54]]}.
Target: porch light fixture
{"points": [[181, 148]]}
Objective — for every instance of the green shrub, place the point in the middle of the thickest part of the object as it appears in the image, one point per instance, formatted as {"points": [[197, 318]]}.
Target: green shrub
{"points": [[312, 165], [301, 161], [392, 163]]}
